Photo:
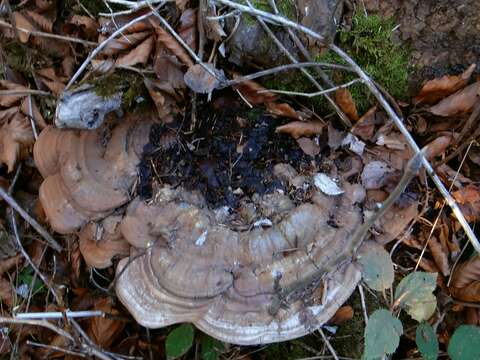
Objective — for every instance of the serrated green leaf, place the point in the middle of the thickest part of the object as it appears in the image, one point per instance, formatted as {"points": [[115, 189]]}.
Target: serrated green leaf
{"points": [[427, 341], [179, 341], [464, 344], [210, 348], [414, 294], [377, 266], [382, 334]]}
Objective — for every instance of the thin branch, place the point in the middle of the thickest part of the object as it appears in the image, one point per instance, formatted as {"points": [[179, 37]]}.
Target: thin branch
{"points": [[362, 301], [29, 260], [42, 323], [26, 216], [281, 68], [56, 348], [60, 315], [386, 106], [48, 35], [327, 342], [310, 95], [25, 92]]}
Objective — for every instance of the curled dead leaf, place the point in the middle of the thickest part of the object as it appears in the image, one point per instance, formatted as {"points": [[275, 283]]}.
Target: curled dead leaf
{"points": [[22, 22], [138, 55], [188, 28], [124, 42], [43, 22], [440, 255], [9, 100], [15, 137], [344, 100], [172, 44], [299, 129], [343, 314], [458, 103], [465, 282], [437, 89], [468, 198], [102, 330]]}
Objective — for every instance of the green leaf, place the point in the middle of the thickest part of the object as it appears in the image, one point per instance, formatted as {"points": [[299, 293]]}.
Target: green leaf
{"points": [[377, 267], [179, 341], [382, 334], [464, 344], [427, 341], [415, 294], [26, 277], [211, 348]]}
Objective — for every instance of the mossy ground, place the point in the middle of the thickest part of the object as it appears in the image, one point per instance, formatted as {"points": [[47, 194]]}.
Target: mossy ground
{"points": [[369, 42]]}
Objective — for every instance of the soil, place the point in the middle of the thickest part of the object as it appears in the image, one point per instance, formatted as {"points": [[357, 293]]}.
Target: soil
{"points": [[443, 34], [228, 151]]}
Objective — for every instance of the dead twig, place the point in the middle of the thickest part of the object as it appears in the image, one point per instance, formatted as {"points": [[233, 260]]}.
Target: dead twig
{"points": [[60, 315], [42, 323], [25, 92], [56, 348], [310, 95], [380, 98], [58, 299], [327, 342], [39, 228], [48, 35]]}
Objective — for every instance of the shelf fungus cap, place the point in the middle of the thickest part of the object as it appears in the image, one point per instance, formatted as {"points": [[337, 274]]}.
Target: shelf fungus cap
{"points": [[88, 174], [258, 286]]}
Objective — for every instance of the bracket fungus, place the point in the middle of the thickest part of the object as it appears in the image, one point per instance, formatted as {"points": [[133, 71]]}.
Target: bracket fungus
{"points": [[256, 286], [88, 174]]}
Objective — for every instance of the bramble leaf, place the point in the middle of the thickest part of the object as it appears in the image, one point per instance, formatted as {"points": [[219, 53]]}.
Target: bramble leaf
{"points": [[382, 334], [464, 343], [377, 267], [179, 341], [427, 341]]}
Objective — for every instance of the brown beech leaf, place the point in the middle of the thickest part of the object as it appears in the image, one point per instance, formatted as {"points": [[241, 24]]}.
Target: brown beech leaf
{"points": [[138, 55], [15, 137], [172, 44], [164, 99], [438, 146], [22, 22], [123, 42], [282, 109], [6, 292], [104, 331], [43, 23], [439, 254], [254, 92], [51, 74], [37, 115], [168, 68], [54, 86], [343, 314], [44, 4], [437, 89], [469, 199], [344, 100], [299, 129], [7, 114], [458, 103], [7, 264], [308, 146], [68, 66], [364, 128], [9, 100], [188, 28], [85, 24], [198, 79], [465, 283]]}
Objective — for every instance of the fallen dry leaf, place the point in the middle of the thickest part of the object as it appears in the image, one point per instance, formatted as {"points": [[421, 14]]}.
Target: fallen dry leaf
{"points": [[43, 23], [105, 331], [437, 147], [168, 68], [81, 25], [9, 100], [308, 146], [364, 128], [15, 137], [299, 129], [468, 198], [22, 22], [198, 79], [163, 100], [437, 89], [465, 283], [138, 55], [344, 100], [123, 42], [188, 28], [440, 255], [254, 92], [458, 103], [37, 115], [282, 109], [172, 44], [343, 314]]}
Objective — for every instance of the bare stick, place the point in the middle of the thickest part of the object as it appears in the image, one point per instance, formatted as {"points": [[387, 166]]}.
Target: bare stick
{"points": [[310, 95], [386, 106], [42, 323], [31, 117], [25, 92], [26, 216], [60, 315], [29, 260], [327, 342], [280, 69], [56, 348], [104, 43], [48, 35], [90, 348], [362, 301]]}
